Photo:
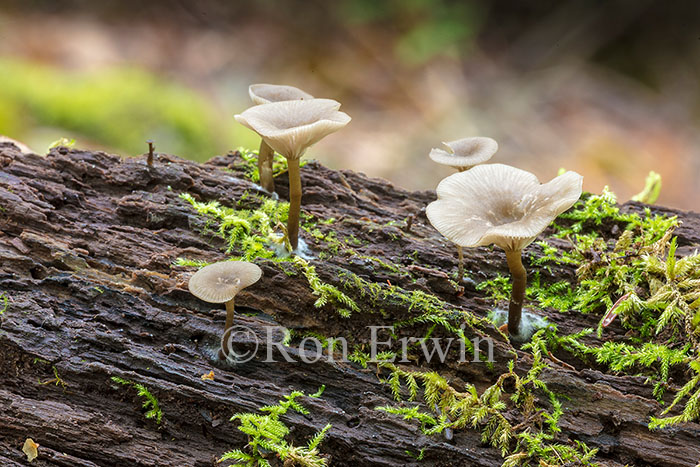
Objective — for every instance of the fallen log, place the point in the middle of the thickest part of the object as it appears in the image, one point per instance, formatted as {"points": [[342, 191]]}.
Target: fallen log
{"points": [[89, 245]]}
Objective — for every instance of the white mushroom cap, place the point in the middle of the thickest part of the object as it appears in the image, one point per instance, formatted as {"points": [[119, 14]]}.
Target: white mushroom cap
{"points": [[465, 153], [266, 93], [499, 204], [290, 127], [220, 282]]}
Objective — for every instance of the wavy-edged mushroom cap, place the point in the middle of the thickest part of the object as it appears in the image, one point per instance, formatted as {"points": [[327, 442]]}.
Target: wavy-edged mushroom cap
{"points": [[266, 93], [465, 153], [220, 282], [499, 204], [290, 127]]}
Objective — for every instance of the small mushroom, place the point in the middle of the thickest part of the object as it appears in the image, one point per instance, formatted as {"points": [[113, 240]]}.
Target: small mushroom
{"points": [[290, 127], [463, 154], [501, 205], [221, 282], [264, 94]]}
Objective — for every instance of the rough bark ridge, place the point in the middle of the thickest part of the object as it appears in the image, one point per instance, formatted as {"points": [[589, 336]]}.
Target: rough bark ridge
{"points": [[86, 251]]}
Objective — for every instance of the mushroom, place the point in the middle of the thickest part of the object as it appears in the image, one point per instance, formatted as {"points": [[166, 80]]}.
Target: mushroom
{"points": [[221, 282], [290, 127], [463, 154], [264, 94], [501, 205]]}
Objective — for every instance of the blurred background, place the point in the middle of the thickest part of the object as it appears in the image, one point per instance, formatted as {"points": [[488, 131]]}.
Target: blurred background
{"points": [[610, 89]]}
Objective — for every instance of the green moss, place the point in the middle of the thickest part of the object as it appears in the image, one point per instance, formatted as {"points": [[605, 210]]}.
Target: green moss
{"points": [[190, 263], [649, 359], [325, 292], [249, 232], [531, 442], [426, 308], [419, 456], [651, 191], [119, 108], [691, 410], [552, 254], [605, 269], [5, 302], [332, 246], [62, 142], [381, 263], [57, 380], [498, 288], [594, 210], [364, 359], [150, 403], [559, 295], [360, 357], [267, 433]]}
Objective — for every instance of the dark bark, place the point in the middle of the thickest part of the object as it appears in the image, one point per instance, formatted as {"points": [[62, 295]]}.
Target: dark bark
{"points": [[86, 249]]}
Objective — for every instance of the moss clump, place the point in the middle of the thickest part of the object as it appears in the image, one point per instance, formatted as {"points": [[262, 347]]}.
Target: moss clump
{"points": [[531, 442], [267, 433], [595, 210], [250, 232]]}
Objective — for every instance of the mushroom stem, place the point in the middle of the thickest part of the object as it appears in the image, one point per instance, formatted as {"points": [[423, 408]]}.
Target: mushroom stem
{"points": [[294, 203], [517, 297], [230, 310], [460, 267], [265, 156]]}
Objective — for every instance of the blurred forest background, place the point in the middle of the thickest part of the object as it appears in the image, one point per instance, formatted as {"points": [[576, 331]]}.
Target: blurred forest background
{"points": [[610, 89]]}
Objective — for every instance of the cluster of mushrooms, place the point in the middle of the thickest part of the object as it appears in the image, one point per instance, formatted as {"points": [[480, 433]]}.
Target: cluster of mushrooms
{"points": [[496, 204], [482, 204], [288, 121]]}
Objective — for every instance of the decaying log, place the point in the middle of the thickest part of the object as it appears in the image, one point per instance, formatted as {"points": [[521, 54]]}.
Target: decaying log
{"points": [[87, 245]]}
